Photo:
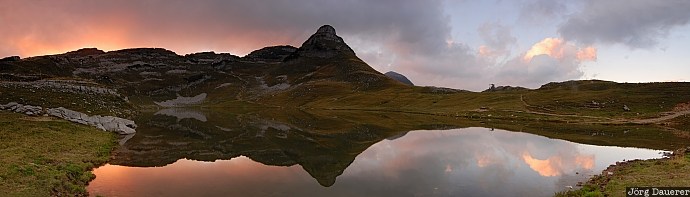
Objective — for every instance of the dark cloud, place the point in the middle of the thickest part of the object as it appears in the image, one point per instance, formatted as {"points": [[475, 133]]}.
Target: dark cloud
{"points": [[220, 24], [634, 23], [539, 11]]}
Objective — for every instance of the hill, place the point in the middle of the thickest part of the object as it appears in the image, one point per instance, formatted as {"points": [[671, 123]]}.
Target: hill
{"points": [[399, 77]]}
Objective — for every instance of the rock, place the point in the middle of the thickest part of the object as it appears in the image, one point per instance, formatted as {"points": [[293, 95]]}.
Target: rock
{"points": [[270, 54], [626, 108], [106, 123], [325, 43], [24, 109]]}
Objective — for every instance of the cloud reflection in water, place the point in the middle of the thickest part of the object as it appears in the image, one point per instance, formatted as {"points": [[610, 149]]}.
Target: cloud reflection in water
{"points": [[468, 162]]}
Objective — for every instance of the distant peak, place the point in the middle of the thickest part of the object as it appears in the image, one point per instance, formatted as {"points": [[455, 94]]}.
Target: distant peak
{"points": [[326, 29], [399, 77], [323, 44]]}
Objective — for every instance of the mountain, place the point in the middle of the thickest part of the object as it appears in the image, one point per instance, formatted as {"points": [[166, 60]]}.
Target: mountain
{"points": [[399, 77], [323, 66]]}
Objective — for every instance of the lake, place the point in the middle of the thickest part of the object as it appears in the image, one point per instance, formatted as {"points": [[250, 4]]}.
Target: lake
{"points": [[187, 153]]}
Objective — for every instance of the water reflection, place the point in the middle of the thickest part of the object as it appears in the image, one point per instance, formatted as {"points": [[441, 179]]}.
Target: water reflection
{"points": [[458, 162]]}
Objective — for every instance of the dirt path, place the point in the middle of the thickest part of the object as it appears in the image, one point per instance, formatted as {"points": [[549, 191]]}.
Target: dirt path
{"points": [[665, 116], [552, 114]]}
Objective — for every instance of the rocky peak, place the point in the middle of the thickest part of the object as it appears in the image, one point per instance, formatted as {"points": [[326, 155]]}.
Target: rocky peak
{"points": [[325, 43], [326, 29]]}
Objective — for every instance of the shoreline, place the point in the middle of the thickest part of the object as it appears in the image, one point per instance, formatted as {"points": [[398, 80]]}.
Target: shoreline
{"points": [[613, 180]]}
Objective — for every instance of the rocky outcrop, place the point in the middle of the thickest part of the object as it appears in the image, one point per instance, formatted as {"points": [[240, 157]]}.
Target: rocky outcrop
{"points": [[210, 57], [504, 88], [85, 52], [105, 123], [270, 54], [25, 109], [440, 90], [10, 59], [325, 43], [399, 77], [65, 86]]}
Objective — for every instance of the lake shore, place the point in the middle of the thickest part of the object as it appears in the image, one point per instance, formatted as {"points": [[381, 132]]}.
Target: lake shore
{"points": [[671, 171], [44, 156]]}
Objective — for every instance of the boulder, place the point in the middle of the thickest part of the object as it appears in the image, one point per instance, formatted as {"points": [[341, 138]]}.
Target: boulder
{"points": [[24, 109]]}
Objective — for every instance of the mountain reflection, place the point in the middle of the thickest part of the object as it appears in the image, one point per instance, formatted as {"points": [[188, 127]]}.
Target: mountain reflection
{"points": [[369, 154]]}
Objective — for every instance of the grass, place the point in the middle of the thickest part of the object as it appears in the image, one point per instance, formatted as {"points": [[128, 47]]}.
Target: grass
{"points": [[569, 100], [671, 172], [666, 172], [585, 191], [41, 156]]}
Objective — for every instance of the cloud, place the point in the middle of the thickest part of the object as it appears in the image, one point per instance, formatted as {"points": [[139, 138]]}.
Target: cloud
{"points": [[538, 11], [633, 23], [552, 59], [557, 165], [497, 38], [559, 49], [186, 26]]}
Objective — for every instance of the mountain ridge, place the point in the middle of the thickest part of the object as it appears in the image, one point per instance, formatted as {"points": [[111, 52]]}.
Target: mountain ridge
{"points": [[148, 76], [323, 73]]}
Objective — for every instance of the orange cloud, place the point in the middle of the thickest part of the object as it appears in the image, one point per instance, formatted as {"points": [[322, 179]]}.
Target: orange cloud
{"points": [[549, 46], [485, 51], [588, 53], [103, 38], [555, 165], [484, 160], [559, 49]]}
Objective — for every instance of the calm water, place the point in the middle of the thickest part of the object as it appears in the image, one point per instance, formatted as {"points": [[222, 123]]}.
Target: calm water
{"points": [[265, 157]]}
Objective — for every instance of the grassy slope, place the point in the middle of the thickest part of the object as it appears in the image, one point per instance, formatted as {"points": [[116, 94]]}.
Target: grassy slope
{"points": [[568, 98], [41, 156]]}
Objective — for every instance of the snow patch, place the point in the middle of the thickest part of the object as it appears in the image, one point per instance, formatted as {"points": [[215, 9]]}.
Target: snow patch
{"points": [[223, 85], [182, 101], [182, 113], [176, 71]]}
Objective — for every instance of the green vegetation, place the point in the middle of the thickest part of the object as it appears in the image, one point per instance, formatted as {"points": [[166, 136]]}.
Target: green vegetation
{"points": [[598, 101], [42, 156], [585, 191], [666, 172]]}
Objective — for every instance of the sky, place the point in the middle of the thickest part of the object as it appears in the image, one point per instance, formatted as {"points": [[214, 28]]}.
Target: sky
{"points": [[460, 44]]}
